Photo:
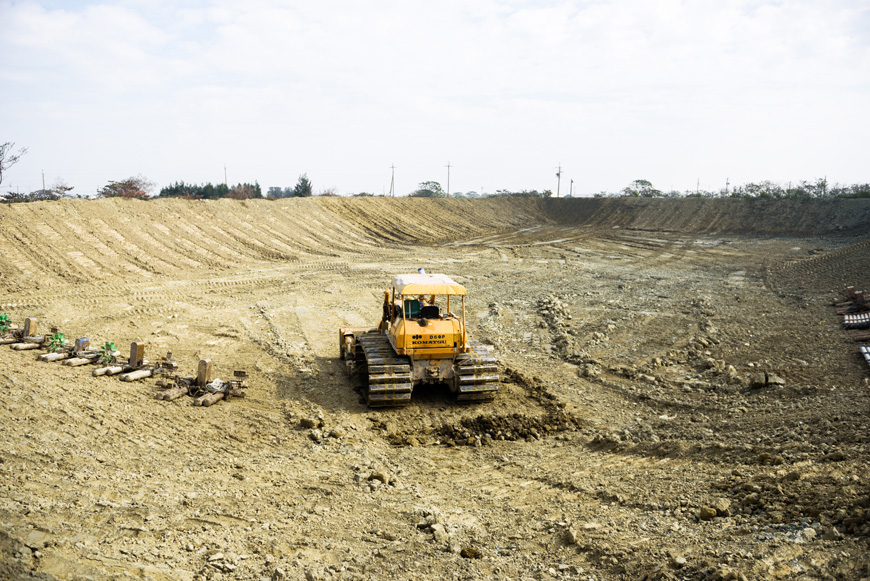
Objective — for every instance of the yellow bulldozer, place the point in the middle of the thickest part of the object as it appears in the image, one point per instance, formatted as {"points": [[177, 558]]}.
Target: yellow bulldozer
{"points": [[422, 339]]}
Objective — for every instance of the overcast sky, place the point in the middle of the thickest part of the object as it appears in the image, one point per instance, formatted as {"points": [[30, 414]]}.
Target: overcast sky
{"points": [[672, 91]]}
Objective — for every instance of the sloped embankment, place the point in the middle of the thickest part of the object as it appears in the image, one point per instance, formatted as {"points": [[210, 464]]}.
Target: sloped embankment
{"points": [[75, 241], [715, 216]]}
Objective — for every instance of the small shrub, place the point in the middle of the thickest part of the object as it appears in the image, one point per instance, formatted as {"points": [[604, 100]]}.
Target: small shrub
{"points": [[56, 342], [107, 353]]}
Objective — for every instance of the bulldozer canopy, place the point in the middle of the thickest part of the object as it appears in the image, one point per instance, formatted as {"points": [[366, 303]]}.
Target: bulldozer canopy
{"points": [[427, 284]]}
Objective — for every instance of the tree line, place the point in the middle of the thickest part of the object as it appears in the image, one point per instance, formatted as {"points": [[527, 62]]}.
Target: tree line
{"points": [[139, 187], [766, 189], [208, 191], [644, 189]]}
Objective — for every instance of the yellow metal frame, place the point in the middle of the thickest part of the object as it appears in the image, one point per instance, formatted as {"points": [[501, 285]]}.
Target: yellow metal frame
{"points": [[413, 291]]}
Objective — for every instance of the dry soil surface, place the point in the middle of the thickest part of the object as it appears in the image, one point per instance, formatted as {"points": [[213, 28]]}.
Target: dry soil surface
{"points": [[679, 399]]}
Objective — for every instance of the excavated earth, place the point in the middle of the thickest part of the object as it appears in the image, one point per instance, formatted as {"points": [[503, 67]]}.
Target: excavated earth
{"points": [[679, 398]]}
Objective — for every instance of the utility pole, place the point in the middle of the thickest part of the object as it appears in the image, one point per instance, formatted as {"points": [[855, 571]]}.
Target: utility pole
{"points": [[558, 179], [393, 181], [448, 179], [571, 191], [43, 180], [726, 187], [225, 175]]}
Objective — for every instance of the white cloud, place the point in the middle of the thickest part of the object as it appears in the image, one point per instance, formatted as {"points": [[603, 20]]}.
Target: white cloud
{"points": [[504, 89]]}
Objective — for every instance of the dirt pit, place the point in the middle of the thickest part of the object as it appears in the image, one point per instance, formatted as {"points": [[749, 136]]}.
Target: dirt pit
{"points": [[679, 399]]}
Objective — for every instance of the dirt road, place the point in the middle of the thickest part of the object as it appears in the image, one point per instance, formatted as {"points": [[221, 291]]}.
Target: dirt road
{"points": [[679, 398]]}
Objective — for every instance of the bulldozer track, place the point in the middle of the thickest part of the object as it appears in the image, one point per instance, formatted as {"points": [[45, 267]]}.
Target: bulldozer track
{"points": [[478, 373], [387, 374]]}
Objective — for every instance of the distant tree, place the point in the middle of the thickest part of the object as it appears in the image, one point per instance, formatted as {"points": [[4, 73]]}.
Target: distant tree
{"points": [[328, 192], [57, 191], [804, 189], [853, 191], [40, 195], [363, 195], [135, 187], [181, 190], [61, 189], [15, 198], [429, 190], [210, 191], [34, 196], [242, 192], [642, 189], [277, 192], [303, 187], [765, 189], [522, 194], [7, 158], [220, 191]]}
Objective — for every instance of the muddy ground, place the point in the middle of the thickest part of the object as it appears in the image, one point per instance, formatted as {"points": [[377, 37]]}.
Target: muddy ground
{"points": [[679, 399]]}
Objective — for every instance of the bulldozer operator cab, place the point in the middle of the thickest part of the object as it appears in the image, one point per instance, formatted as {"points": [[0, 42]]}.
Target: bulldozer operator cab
{"points": [[424, 316]]}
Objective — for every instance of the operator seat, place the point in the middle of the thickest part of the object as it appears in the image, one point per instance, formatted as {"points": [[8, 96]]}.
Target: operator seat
{"points": [[430, 312]]}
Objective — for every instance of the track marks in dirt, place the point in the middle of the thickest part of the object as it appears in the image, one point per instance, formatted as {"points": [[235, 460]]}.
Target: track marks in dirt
{"points": [[827, 271], [112, 239]]}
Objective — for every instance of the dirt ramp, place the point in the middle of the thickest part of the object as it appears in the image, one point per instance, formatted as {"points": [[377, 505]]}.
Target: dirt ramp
{"points": [[713, 216]]}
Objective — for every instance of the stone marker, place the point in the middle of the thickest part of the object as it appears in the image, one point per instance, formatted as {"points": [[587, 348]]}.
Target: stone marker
{"points": [[203, 373], [29, 327], [137, 353]]}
